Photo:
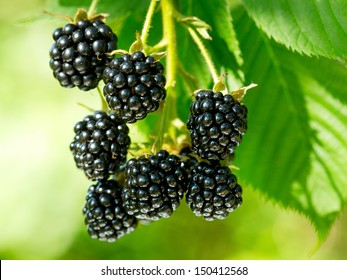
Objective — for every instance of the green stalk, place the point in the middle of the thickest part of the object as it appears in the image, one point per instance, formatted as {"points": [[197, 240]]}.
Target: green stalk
{"points": [[205, 54], [92, 8], [147, 23], [169, 107], [170, 36]]}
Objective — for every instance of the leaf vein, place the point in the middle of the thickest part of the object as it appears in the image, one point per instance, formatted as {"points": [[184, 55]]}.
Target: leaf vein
{"points": [[336, 20], [323, 26], [296, 21]]}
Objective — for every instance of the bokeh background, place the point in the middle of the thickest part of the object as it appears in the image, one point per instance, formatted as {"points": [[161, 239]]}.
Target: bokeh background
{"points": [[42, 192]]}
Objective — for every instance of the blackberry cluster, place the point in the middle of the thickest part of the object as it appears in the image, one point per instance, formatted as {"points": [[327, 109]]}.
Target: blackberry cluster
{"points": [[216, 124], [213, 191], [100, 145], [79, 53], [134, 86], [104, 213], [154, 186], [150, 187]]}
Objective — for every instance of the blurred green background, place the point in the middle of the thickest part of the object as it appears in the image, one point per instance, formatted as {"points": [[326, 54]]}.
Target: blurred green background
{"points": [[42, 192]]}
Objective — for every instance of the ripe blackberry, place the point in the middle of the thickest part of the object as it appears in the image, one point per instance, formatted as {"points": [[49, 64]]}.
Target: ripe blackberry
{"points": [[153, 186], [104, 214], [213, 191], [134, 86], [79, 53], [216, 124], [100, 145]]}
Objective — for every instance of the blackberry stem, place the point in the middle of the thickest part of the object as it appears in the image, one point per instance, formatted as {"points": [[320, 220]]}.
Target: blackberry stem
{"points": [[92, 8], [147, 23], [170, 36], [169, 111], [205, 54]]}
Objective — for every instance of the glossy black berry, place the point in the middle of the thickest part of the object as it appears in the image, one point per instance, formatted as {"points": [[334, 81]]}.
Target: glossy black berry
{"points": [[216, 123], [188, 161], [213, 191], [134, 86], [104, 213], [154, 186], [83, 48], [100, 145]]}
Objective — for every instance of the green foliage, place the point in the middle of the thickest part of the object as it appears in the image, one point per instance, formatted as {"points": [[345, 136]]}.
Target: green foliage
{"points": [[294, 153], [308, 27], [296, 147]]}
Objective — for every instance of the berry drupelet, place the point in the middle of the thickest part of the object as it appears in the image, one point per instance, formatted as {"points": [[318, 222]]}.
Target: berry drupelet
{"points": [[100, 145], [79, 54], [154, 186], [213, 191], [134, 86], [104, 214], [216, 124]]}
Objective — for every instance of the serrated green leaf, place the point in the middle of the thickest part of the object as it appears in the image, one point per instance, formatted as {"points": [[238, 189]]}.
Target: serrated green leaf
{"points": [[295, 151], [309, 27]]}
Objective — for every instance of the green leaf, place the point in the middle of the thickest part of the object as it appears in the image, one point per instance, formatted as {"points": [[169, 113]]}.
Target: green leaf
{"points": [[309, 27], [295, 151]]}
